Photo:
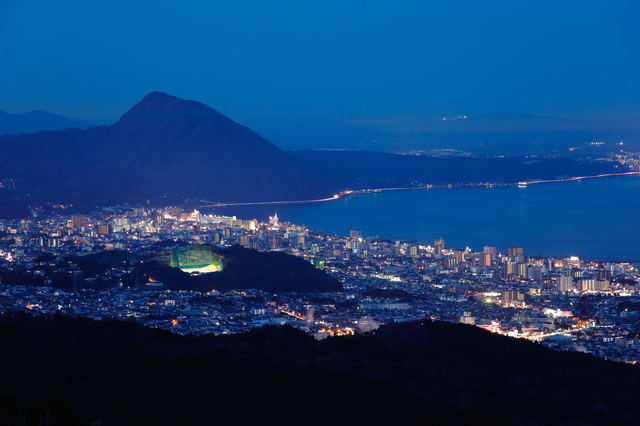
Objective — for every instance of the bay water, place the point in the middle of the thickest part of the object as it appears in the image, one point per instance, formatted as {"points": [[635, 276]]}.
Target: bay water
{"points": [[596, 218]]}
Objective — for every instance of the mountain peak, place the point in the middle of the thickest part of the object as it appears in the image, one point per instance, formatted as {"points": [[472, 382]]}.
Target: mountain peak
{"points": [[159, 105]]}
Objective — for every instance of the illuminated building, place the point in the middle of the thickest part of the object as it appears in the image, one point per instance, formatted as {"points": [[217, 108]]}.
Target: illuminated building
{"points": [[467, 318], [318, 263], [275, 242], [196, 258], [273, 220], [493, 251], [79, 220], [564, 283], [486, 259], [355, 233], [535, 273], [438, 246], [522, 270], [514, 251]]}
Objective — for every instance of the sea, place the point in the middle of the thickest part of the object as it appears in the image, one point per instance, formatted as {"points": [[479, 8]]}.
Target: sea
{"points": [[594, 218]]}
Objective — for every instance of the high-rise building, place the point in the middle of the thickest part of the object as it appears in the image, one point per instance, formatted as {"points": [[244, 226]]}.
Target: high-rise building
{"points": [[487, 260], [356, 233], [514, 251], [522, 270], [438, 246], [275, 242], [79, 220], [564, 283], [509, 296], [490, 250], [535, 273]]}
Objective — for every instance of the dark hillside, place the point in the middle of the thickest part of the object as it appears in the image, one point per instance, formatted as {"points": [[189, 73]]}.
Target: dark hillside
{"points": [[428, 373], [275, 272]]}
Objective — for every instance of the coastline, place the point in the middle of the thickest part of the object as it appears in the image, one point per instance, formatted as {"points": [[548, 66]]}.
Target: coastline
{"points": [[500, 222], [531, 182], [413, 188]]}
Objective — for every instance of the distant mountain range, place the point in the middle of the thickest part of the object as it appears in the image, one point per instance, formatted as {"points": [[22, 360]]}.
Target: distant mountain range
{"points": [[487, 135], [166, 148], [37, 121]]}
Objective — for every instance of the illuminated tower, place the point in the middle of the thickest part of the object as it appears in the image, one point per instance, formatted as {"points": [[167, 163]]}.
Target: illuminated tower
{"points": [[273, 220]]}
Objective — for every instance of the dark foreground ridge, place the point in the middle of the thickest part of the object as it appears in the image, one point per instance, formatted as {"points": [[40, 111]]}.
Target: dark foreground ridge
{"points": [[81, 371]]}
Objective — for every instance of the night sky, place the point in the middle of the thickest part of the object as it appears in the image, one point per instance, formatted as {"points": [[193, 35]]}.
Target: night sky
{"points": [[373, 60]]}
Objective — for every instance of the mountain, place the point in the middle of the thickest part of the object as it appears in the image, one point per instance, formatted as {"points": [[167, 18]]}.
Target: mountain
{"points": [[36, 121], [162, 145], [170, 147]]}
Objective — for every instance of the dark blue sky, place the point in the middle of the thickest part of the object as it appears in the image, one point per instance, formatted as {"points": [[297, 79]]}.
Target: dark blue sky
{"points": [[356, 61]]}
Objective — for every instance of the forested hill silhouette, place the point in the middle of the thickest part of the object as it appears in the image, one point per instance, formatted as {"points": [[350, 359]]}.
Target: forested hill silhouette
{"points": [[271, 271], [66, 371], [162, 145]]}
